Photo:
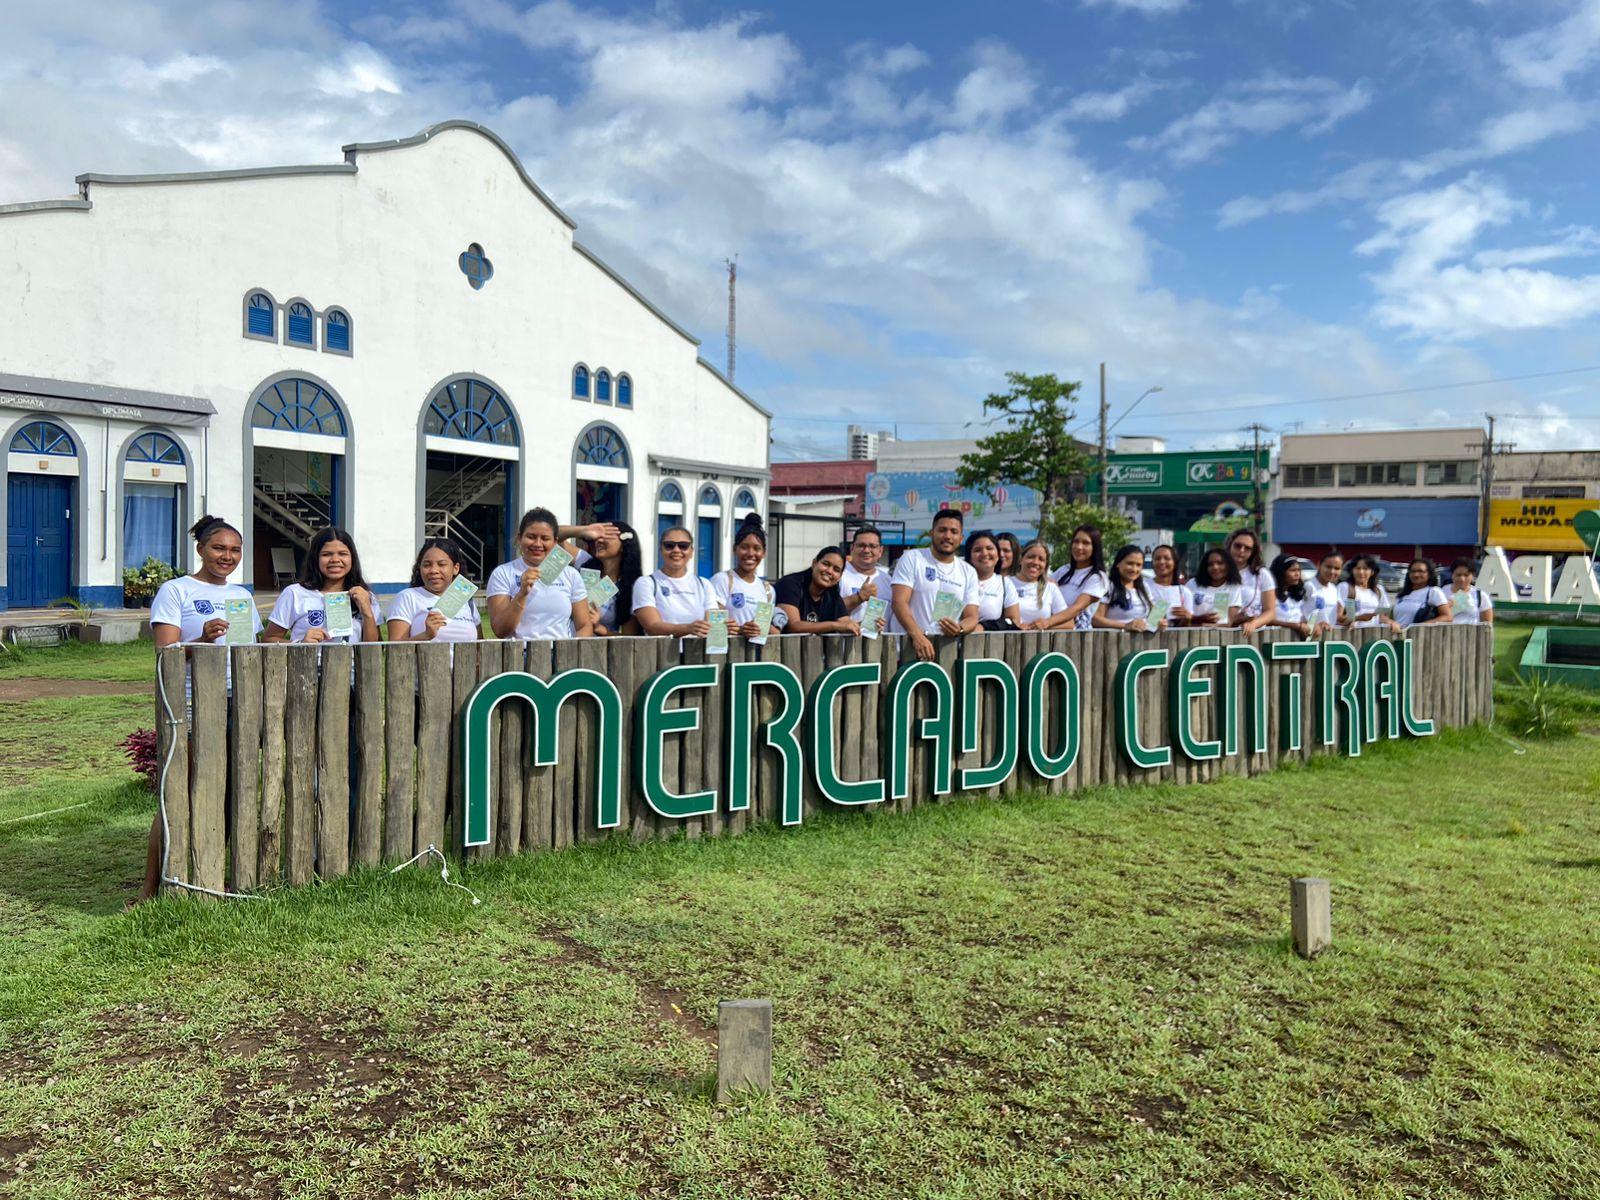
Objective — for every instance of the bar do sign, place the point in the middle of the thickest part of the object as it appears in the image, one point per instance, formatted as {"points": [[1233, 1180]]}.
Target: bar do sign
{"points": [[1361, 693]]}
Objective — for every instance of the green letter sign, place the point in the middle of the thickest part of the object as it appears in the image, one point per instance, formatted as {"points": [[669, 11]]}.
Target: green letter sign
{"points": [[1036, 678], [743, 679], [1183, 689], [935, 728], [655, 721], [825, 732], [1337, 684], [1127, 701], [974, 673]]}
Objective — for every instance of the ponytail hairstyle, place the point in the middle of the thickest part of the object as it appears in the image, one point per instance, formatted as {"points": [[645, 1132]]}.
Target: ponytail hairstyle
{"points": [[751, 526], [1117, 596], [1044, 575], [208, 526], [311, 569], [538, 516], [1280, 568], [1177, 566], [445, 545]]}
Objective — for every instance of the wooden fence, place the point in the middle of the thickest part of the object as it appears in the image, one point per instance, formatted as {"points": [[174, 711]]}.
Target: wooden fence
{"points": [[320, 759]]}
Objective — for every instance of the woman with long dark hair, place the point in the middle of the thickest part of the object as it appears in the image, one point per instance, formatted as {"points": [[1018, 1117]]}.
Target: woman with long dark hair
{"points": [[1295, 604], [1128, 601], [331, 568], [1167, 584], [614, 552], [1362, 599], [414, 615], [810, 599], [997, 593], [1421, 601], [1214, 591], [1258, 590], [1082, 580], [1010, 553]]}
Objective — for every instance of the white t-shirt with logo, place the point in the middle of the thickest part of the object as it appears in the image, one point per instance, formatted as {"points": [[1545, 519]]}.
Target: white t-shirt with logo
{"points": [[1253, 587], [299, 610], [1296, 611], [1083, 581], [1036, 604], [738, 596], [851, 582], [189, 604], [1474, 614], [548, 610], [1321, 605], [1203, 599], [1172, 593], [1130, 608], [1421, 604], [413, 606], [926, 576], [679, 601], [995, 594], [1368, 600]]}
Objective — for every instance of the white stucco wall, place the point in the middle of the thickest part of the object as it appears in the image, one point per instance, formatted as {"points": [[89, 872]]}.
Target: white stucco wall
{"points": [[145, 290]]}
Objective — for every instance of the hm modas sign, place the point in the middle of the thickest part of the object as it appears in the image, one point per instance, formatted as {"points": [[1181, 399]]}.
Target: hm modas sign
{"points": [[1215, 698]]}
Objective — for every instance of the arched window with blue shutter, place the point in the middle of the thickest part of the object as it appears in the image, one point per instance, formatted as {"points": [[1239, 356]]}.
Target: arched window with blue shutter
{"points": [[602, 386], [260, 316], [336, 331], [624, 391], [43, 437], [744, 500], [155, 448], [298, 406], [301, 327], [602, 447], [472, 411], [580, 382]]}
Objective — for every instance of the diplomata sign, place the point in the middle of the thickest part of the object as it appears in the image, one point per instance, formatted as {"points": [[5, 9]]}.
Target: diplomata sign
{"points": [[1215, 698]]}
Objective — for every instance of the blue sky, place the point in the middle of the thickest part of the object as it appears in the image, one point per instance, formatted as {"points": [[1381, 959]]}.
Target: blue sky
{"points": [[1257, 206]]}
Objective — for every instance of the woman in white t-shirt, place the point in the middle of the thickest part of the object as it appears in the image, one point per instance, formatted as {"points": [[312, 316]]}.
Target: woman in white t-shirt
{"points": [[997, 593], [1469, 604], [412, 615], [1421, 601], [1362, 599], [331, 566], [1257, 588], [740, 588], [1214, 591], [1082, 580], [524, 607], [672, 601], [1322, 592], [1128, 601], [1039, 600], [1168, 585], [613, 550], [1294, 606], [192, 610]]}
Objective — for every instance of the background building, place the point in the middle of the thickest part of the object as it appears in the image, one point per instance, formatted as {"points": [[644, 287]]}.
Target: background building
{"points": [[862, 445], [1534, 496], [1198, 496], [405, 343], [1395, 494], [915, 479]]}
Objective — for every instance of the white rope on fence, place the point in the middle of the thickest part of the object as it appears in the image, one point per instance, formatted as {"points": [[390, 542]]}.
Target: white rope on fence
{"points": [[444, 870]]}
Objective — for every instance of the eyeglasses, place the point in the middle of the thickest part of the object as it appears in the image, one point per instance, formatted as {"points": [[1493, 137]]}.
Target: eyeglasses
{"points": [[677, 545]]}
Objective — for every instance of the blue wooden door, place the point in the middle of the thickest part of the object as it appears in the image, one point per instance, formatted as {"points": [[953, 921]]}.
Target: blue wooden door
{"points": [[38, 540], [707, 539]]}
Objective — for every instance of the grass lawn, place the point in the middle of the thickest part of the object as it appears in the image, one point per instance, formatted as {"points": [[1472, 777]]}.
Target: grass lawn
{"points": [[1057, 996]]}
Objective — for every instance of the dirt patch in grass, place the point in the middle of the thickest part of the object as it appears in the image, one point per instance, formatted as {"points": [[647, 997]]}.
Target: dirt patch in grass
{"points": [[66, 689], [671, 1006]]}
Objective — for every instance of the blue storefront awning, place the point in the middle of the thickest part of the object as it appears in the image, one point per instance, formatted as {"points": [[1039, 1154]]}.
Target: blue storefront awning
{"points": [[1403, 522]]}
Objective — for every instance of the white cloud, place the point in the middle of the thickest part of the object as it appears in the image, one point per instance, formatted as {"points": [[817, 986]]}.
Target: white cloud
{"points": [[1148, 7], [1263, 106], [361, 71], [1110, 106], [1432, 285], [998, 86], [1543, 58], [180, 69]]}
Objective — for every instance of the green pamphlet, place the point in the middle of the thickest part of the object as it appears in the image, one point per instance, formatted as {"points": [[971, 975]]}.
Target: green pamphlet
{"points": [[454, 598], [554, 563], [947, 605], [1222, 601], [717, 639], [1352, 609], [337, 621], [1158, 612], [764, 611], [1462, 603], [600, 589], [871, 613], [240, 615]]}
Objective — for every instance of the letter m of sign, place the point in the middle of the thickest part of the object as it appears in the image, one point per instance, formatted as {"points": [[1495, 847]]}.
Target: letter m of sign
{"points": [[479, 754]]}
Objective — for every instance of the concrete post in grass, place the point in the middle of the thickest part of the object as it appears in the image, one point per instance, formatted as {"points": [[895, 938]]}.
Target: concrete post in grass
{"points": [[1311, 914], [744, 1047]]}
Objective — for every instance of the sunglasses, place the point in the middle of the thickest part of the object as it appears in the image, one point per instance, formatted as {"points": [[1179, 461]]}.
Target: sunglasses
{"points": [[677, 545]]}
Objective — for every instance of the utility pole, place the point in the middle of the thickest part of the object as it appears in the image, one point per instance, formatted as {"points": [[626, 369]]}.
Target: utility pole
{"points": [[1486, 478], [733, 279], [1256, 429], [1104, 412]]}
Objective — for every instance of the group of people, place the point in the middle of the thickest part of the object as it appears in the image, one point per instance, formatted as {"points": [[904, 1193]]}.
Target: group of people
{"points": [[955, 585]]}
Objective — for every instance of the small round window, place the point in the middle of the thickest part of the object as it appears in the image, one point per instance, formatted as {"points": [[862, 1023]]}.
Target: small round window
{"points": [[475, 265]]}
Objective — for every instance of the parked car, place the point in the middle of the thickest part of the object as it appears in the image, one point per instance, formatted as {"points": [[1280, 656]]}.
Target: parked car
{"points": [[1391, 575]]}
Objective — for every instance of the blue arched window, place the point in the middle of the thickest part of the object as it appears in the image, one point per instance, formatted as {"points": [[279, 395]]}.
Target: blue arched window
{"points": [[624, 392], [710, 497], [43, 437], [744, 498], [602, 386], [302, 324], [155, 448], [261, 317], [671, 493], [472, 411], [299, 406], [602, 447], [580, 382], [336, 331]]}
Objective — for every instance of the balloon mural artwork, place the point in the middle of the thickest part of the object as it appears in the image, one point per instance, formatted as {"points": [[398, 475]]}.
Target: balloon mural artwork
{"points": [[912, 497]]}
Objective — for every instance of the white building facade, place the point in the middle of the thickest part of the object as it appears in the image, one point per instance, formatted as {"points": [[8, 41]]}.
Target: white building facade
{"points": [[405, 344]]}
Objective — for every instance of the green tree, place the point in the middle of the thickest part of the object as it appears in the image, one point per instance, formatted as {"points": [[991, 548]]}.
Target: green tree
{"points": [[1033, 449]]}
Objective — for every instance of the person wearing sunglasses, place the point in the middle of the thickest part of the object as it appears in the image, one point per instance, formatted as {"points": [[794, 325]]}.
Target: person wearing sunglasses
{"points": [[810, 599], [672, 601]]}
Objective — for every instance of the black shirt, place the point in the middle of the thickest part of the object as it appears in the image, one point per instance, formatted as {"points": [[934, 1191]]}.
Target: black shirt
{"points": [[796, 590]]}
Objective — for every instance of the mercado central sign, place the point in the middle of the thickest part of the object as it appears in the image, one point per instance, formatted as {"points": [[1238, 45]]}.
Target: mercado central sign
{"points": [[321, 759]]}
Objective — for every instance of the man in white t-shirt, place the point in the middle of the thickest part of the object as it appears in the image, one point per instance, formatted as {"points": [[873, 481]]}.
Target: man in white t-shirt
{"points": [[921, 575], [862, 573]]}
